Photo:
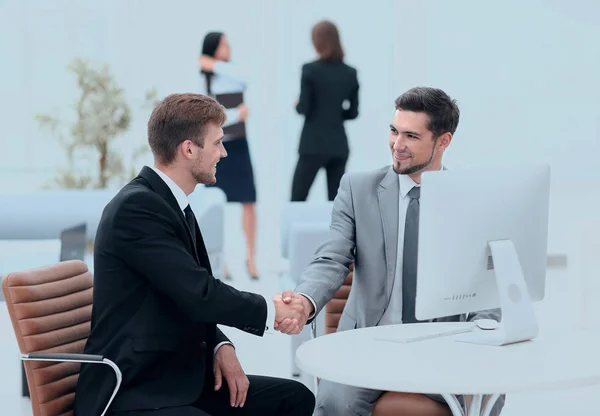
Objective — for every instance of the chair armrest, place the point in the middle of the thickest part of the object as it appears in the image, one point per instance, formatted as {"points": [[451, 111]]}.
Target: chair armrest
{"points": [[79, 358]]}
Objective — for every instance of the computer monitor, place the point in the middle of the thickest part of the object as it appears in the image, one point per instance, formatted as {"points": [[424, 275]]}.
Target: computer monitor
{"points": [[483, 245], [73, 242]]}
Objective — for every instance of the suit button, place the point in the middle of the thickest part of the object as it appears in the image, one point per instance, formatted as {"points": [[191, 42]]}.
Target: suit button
{"points": [[203, 344]]}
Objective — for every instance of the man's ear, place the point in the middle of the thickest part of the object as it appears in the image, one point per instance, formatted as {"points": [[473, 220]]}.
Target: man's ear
{"points": [[186, 148], [444, 140]]}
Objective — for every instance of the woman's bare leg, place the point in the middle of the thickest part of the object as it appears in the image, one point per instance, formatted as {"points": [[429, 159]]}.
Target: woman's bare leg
{"points": [[249, 226]]}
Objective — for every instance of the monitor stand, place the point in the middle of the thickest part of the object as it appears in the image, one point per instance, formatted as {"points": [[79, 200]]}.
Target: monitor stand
{"points": [[518, 322]]}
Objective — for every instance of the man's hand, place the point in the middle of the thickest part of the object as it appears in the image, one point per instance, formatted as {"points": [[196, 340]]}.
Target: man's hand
{"points": [[291, 312], [227, 365], [207, 63]]}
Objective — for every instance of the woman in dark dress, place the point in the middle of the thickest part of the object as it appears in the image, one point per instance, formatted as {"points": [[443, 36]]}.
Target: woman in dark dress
{"points": [[224, 81], [326, 85]]}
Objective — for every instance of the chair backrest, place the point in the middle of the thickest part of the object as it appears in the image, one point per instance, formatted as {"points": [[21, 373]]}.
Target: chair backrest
{"points": [[335, 307], [73, 242], [307, 213], [50, 309]]}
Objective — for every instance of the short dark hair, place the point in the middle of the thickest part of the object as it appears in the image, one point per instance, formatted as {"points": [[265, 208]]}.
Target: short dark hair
{"points": [[443, 111], [326, 39], [180, 117]]}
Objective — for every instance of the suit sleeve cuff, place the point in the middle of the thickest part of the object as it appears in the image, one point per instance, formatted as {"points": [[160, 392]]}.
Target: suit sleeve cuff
{"points": [[314, 312], [220, 344]]}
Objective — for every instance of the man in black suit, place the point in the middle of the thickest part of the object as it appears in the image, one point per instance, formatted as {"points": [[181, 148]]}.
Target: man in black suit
{"points": [[156, 304]]}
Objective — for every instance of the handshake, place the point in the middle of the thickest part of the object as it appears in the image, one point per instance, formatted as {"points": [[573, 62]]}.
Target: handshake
{"points": [[291, 312]]}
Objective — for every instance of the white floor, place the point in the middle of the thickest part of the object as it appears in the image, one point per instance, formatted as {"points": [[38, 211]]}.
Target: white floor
{"points": [[271, 354]]}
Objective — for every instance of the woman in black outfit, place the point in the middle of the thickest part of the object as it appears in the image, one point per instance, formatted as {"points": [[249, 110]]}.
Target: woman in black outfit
{"points": [[326, 85], [225, 82]]}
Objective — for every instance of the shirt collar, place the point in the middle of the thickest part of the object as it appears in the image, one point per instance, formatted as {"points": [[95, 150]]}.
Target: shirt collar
{"points": [[406, 184], [178, 193]]}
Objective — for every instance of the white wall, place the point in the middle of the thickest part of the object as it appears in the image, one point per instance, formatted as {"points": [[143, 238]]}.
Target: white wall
{"points": [[525, 73]]}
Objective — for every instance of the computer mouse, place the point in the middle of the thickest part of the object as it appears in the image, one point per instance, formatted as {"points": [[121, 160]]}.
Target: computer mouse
{"points": [[486, 324]]}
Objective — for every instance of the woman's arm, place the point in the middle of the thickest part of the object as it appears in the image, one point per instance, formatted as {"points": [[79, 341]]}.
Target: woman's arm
{"points": [[304, 105], [210, 64], [352, 112], [229, 70]]}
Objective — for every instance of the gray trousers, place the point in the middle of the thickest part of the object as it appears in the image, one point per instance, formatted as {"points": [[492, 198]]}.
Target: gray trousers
{"points": [[335, 399]]}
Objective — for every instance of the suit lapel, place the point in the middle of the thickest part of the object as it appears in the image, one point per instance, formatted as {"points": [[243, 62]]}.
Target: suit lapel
{"points": [[388, 194], [160, 187]]}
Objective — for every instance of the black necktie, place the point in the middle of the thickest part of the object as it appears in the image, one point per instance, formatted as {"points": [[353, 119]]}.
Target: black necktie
{"points": [[191, 221], [409, 261]]}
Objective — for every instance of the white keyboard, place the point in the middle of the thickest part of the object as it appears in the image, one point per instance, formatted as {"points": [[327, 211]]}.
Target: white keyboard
{"points": [[433, 335]]}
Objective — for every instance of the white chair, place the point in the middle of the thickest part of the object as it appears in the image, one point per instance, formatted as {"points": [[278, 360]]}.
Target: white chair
{"points": [[208, 205], [304, 226]]}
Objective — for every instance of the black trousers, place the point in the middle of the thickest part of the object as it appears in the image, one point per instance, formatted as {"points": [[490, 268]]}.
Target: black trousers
{"points": [[267, 396], [306, 170]]}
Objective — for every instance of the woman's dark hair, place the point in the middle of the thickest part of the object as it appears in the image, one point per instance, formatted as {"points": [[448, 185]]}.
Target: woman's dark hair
{"points": [[326, 39], [209, 47], [211, 43]]}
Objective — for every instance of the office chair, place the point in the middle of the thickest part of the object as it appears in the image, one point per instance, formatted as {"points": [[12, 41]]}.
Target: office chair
{"points": [[73, 242], [50, 309]]}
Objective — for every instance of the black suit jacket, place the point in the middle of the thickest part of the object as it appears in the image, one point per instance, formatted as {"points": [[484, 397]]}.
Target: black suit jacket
{"points": [[156, 304], [325, 85]]}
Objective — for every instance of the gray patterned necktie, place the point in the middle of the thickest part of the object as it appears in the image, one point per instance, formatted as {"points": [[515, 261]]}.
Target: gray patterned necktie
{"points": [[409, 262]]}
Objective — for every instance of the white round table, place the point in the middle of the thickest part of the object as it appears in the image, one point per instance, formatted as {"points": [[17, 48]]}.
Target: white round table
{"points": [[373, 358]]}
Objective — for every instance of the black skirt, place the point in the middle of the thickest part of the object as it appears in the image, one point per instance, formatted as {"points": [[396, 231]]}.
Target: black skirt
{"points": [[234, 172]]}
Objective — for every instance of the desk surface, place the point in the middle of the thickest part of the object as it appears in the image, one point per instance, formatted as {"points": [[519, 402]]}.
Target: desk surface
{"points": [[555, 360]]}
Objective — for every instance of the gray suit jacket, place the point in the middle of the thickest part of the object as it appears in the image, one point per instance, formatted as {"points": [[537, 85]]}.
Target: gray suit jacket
{"points": [[363, 231]]}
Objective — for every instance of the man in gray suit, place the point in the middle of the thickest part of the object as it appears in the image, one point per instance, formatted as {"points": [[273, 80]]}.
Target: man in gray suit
{"points": [[374, 226]]}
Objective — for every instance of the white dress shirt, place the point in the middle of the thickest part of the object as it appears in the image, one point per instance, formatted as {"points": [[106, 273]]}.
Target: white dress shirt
{"points": [[393, 313], [183, 202]]}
